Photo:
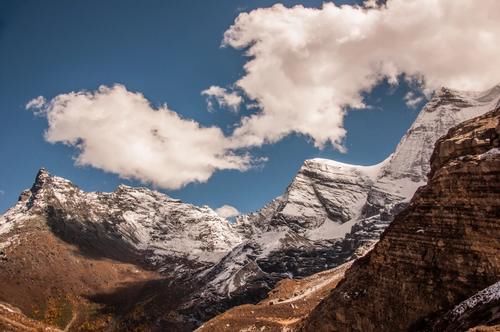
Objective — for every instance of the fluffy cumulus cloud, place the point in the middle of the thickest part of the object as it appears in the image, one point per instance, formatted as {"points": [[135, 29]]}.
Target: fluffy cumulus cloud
{"points": [[306, 66], [227, 211], [223, 98], [119, 131]]}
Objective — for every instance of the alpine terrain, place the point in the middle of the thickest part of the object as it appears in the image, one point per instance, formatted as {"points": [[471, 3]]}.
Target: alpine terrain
{"points": [[334, 212], [138, 259], [436, 267]]}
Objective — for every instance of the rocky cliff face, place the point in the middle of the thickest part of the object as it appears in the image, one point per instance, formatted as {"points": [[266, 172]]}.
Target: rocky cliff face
{"points": [[332, 212], [480, 312], [442, 249]]}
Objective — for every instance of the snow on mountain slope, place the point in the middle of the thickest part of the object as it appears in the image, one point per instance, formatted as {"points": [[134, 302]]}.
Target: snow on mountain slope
{"points": [[381, 190], [315, 194], [407, 168], [146, 222]]}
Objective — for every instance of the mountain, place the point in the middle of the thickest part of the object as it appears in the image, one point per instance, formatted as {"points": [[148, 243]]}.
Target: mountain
{"points": [[133, 222], [436, 267], [65, 253], [332, 212], [136, 258], [439, 251]]}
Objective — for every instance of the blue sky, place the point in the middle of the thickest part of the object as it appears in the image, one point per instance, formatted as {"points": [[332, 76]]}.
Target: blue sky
{"points": [[169, 51]]}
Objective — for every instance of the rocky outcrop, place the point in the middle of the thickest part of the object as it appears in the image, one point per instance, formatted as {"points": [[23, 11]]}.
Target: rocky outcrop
{"points": [[476, 313], [442, 249]]}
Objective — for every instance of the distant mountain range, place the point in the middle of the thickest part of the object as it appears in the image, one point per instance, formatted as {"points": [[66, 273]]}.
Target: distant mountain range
{"points": [[138, 259]]}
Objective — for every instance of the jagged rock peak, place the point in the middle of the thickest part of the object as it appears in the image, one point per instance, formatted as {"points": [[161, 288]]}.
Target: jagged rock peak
{"points": [[42, 173], [40, 179], [51, 183], [44, 177]]}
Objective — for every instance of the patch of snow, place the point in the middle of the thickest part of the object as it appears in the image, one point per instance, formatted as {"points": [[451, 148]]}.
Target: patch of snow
{"points": [[330, 230], [487, 295], [491, 153], [270, 241], [371, 171], [8, 308]]}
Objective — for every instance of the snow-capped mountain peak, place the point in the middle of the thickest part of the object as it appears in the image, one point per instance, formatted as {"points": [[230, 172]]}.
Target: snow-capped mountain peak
{"points": [[145, 222], [332, 211]]}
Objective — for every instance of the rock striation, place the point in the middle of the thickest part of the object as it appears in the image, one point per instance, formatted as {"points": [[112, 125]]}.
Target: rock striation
{"points": [[440, 250]]}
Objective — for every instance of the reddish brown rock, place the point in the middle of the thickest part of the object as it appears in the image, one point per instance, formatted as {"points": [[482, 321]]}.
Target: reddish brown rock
{"points": [[442, 249], [286, 305]]}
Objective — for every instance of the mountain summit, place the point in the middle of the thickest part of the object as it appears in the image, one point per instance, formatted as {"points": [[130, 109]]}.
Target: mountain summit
{"points": [[437, 266]]}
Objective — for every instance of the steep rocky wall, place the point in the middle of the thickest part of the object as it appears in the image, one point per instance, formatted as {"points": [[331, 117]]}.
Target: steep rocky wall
{"points": [[439, 251]]}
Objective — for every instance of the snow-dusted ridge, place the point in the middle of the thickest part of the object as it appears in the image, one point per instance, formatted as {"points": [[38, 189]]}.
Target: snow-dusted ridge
{"points": [[147, 221], [481, 308]]}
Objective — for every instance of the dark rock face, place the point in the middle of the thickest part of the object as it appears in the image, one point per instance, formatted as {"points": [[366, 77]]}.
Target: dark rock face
{"points": [[442, 249]]}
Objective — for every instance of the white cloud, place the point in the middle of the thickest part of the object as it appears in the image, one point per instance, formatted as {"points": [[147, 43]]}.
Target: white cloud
{"points": [[2, 192], [119, 131], [413, 100], [222, 97], [227, 211], [36, 103], [306, 65]]}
